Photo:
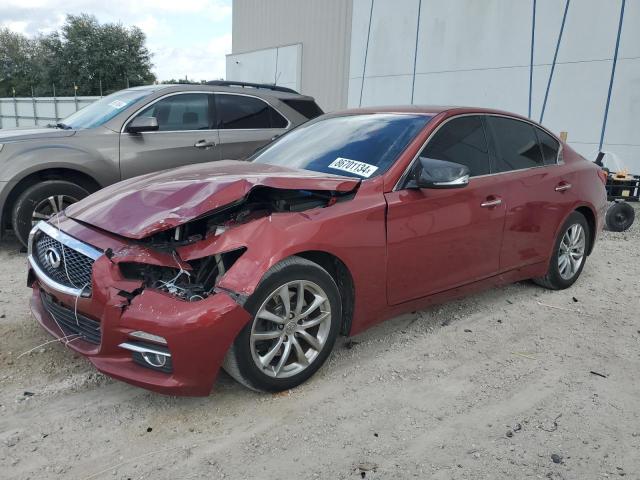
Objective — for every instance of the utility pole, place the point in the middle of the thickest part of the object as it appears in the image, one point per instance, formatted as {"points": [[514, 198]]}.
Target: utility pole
{"points": [[15, 106], [33, 101], [55, 103]]}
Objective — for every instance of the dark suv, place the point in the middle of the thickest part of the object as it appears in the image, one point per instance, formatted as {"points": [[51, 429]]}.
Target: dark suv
{"points": [[136, 131]]}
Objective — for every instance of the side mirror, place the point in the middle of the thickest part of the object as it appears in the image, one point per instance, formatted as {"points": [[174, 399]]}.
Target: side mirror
{"points": [[143, 124], [431, 173]]}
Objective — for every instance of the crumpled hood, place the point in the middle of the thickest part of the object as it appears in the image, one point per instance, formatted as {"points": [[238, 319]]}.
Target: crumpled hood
{"points": [[151, 203], [32, 133]]}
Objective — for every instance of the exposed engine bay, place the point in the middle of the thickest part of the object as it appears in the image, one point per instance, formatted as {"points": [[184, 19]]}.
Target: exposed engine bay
{"points": [[260, 202], [196, 280]]}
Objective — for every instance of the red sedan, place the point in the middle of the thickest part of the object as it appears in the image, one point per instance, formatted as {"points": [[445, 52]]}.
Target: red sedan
{"points": [[348, 220]]}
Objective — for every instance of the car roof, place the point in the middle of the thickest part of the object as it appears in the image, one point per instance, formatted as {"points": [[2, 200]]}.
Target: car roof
{"points": [[430, 110], [258, 92]]}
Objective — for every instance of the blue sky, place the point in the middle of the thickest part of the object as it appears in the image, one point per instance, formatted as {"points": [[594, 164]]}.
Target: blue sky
{"points": [[186, 37]]}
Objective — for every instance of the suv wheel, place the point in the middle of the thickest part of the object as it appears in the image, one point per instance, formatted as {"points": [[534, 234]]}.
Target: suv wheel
{"points": [[40, 202]]}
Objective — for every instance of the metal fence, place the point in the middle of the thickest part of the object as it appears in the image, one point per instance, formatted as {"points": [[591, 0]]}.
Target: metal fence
{"points": [[31, 111]]}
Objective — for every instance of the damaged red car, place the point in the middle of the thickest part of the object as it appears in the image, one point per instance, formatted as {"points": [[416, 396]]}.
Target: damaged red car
{"points": [[355, 217]]}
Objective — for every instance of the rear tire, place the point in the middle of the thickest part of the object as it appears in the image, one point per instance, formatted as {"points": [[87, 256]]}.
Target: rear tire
{"points": [[40, 201], [569, 254], [620, 216], [286, 342]]}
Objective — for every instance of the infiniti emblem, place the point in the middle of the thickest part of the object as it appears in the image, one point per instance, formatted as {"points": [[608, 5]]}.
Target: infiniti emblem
{"points": [[52, 256]]}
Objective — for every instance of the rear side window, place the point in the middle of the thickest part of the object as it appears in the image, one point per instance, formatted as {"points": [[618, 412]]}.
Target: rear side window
{"points": [[549, 146], [305, 107], [243, 112], [188, 111], [461, 140], [516, 144]]}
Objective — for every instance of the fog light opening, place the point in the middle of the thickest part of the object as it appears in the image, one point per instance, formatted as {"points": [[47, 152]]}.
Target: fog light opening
{"points": [[155, 359]]}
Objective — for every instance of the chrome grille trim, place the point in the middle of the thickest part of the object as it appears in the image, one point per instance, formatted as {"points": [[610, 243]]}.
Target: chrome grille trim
{"points": [[66, 241]]}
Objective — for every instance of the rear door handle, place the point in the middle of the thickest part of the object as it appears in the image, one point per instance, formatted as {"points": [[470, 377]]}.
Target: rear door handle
{"points": [[491, 202], [562, 186], [204, 144]]}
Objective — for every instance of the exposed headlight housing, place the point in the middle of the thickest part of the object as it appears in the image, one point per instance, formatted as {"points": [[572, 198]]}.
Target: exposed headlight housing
{"points": [[192, 285]]}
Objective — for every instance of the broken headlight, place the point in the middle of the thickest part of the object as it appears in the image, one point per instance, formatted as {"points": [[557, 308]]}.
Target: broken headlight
{"points": [[190, 285]]}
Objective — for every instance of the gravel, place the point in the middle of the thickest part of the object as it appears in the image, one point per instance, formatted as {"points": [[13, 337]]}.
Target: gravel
{"points": [[425, 395]]}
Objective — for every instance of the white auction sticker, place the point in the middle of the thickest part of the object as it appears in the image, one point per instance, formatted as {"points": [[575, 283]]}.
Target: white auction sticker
{"points": [[117, 104], [353, 166]]}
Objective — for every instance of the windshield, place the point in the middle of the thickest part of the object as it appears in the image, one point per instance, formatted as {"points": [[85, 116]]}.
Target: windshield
{"points": [[105, 109], [361, 146]]}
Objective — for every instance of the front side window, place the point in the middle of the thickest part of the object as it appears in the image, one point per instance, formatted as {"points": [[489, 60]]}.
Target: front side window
{"points": [[188, 111], [550, 147], [237, 112], [103, 110], [360, 146], [516, 144], [461, 140]]}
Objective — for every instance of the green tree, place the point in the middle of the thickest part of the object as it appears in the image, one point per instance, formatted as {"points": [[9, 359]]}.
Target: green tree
{"points": [[95, 58], [21, 63], [91, 55]]}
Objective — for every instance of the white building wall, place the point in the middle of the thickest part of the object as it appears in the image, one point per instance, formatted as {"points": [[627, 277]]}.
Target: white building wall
{"points": [[279, 66], [322, 27], [477, 53]]}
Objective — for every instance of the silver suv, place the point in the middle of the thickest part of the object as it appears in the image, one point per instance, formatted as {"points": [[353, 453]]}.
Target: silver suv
{"points": [[136, 131]]}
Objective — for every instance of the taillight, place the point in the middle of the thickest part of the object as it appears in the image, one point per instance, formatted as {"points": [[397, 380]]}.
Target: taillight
{"points": [[603, 175]]}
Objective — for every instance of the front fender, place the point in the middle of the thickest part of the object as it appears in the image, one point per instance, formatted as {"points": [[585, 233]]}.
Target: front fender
{"points": [[352, 231], [93, 155]]}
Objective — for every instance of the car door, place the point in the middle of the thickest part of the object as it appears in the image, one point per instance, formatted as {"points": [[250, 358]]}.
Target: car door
{"points": [[438, 239], [538, 189], [245, 124], [185, 135]]}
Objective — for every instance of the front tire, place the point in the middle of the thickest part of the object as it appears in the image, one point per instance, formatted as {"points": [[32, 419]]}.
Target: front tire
{"points": [[296, 313], [569, 254], [41, 201]]}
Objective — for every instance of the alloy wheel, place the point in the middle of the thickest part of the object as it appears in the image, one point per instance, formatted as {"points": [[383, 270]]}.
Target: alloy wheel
{"points": [[49, 206], [571, 253], [290, 329]]}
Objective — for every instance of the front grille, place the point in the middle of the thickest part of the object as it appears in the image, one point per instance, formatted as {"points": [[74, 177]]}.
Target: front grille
{"points": [[75, 268], [71, 323]]}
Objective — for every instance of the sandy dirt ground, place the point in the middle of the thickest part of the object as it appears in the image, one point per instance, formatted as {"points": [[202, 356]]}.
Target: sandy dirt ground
{"points": [[498, 385]]}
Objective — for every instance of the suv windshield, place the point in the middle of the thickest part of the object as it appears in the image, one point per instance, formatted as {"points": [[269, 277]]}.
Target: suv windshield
{"points": [[361, 146], [105, 109]]}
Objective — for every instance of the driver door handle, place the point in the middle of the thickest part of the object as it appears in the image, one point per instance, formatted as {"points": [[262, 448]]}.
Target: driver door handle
{"points": [[491, 202], [204, 144]]}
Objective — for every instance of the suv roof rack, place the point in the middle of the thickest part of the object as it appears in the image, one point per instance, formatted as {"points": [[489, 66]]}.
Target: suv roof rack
{"points": [[230, 83]]}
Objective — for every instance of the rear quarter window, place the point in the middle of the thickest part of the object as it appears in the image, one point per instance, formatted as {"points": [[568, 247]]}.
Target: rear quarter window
{"points": [[305, 107], [550, 147], [238, 112]]}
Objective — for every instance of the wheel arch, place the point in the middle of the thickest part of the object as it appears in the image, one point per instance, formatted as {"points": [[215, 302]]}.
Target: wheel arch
{"points": [[343, 278], [83, 179], [590, 216]]}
